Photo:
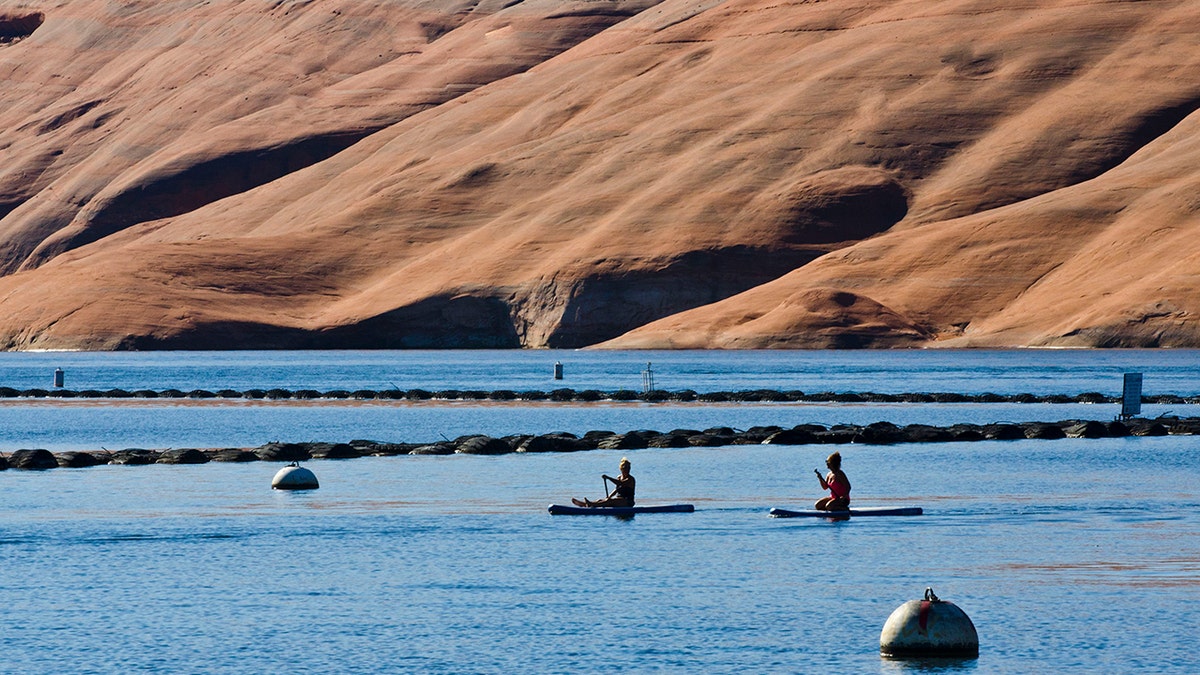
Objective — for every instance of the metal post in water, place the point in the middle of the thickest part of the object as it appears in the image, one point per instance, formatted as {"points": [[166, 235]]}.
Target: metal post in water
{"points": [[1131, 396], [558, 370], [647, 379], [59, 377]]}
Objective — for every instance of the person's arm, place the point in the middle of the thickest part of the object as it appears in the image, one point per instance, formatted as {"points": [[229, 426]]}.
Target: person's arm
{"points": [[824, 485], [618, 484]]}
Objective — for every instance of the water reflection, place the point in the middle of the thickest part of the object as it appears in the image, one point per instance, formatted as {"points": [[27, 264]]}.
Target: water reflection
{"points": [[890, 665]]}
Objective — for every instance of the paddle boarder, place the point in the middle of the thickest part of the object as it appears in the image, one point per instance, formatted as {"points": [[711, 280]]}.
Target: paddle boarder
{"points": [[622, 493], [837, 484]]}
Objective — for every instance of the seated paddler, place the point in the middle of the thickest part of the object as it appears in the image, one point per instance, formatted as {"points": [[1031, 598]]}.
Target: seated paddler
{"points": [[837, 483], [622, 492]]}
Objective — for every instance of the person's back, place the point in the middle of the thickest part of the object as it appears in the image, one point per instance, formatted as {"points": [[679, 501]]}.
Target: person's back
{"points": [[837, 483]]}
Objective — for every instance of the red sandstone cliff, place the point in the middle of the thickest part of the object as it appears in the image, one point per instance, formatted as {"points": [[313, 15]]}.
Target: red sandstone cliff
{"points": [[338, 173]]}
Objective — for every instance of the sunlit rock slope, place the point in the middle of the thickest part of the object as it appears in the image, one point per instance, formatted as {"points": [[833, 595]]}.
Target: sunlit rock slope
{"points": [[630, 173]]}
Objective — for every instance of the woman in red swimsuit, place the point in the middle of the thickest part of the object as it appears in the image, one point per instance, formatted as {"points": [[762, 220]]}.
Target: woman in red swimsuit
{"points": [[837, 484]]}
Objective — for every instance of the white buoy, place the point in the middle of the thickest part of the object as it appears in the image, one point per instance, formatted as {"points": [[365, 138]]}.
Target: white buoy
{"points": [[929, 628], [294, 477]]}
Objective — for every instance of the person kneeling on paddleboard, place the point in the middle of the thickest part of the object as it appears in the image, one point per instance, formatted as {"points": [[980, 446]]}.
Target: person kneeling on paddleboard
{"points": [[623, 487], [837, 484]]}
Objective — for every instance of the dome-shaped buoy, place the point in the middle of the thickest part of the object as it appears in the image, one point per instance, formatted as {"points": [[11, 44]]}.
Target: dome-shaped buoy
{"points": [[929, 628], [294, 477]]}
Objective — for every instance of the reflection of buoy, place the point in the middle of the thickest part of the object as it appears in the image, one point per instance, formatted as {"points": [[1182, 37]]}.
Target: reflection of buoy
{"points": [[294, 477], [929, 627]]}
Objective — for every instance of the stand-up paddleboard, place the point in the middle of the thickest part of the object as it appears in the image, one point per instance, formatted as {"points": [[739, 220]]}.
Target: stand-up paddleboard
{"points": [[852, 513], [561, 510]]}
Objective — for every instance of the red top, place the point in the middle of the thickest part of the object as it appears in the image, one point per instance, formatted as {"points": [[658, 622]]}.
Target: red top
{"points": [[839, 485]]}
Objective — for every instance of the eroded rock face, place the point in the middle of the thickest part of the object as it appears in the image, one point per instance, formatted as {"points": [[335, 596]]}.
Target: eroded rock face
{"points": [[564, 173]]}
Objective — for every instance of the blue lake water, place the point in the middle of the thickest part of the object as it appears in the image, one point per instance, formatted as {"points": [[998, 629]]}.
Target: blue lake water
{"points": [[159, 423], [1069, 556], [1055, 371]]}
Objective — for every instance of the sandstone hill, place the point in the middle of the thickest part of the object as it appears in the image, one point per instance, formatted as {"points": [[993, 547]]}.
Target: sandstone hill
{"points": [[630, 173]]}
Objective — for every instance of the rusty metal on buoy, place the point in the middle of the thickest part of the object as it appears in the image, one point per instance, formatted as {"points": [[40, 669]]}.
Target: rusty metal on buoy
{"points": [[931, 627]]}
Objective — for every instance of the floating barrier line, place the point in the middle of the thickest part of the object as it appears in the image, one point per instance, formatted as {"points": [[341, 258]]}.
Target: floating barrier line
{"points": [[592, 395], [878, 433]]}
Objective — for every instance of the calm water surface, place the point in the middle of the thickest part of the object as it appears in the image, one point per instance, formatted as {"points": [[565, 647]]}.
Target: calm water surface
{"points": [[73, 424], [1059, 551], [1069, 556], [900, 371]]}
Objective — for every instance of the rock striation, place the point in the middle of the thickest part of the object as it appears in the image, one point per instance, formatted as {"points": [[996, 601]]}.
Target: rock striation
{"points": [[628, 173]]}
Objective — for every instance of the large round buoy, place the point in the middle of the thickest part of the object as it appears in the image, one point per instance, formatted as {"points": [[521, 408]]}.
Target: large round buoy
{"points": [[294, 477], [929, 627]]}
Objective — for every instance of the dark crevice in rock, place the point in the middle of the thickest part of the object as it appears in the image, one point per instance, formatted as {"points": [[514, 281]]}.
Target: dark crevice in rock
{"points": [[441, 322], [434, 30], [7, 207], [14, 28], [604, 307], [1145, 129], [206, 182], [1157, 123], [848, 213], [222, 335], [67, 116], [1119, 145], [606, 12]]}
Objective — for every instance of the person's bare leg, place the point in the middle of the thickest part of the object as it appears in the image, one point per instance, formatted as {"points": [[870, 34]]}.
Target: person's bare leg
{"points": [[610, 502]]}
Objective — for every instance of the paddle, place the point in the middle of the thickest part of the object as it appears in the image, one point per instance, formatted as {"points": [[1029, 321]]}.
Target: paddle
{"points": [[606, 479]]}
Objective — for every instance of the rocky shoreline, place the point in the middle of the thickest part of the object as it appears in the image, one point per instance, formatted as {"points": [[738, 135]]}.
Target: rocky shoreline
{"points": [[878, 433], [587, 396]]}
